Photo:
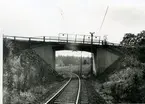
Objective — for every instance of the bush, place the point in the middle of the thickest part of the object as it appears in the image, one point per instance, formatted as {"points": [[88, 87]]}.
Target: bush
{"points": [[143, 74], [141, 55], [115, 92], [127, 94], [132, 91]]}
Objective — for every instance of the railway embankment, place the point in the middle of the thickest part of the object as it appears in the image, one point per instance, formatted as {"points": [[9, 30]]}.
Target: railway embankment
{"points": [[126, 84], [26, 77]]}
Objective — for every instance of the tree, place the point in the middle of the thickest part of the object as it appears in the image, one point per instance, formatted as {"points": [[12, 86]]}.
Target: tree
{"points": [[85, 62], [5, 51], [128, 39], [141, 54], [9, 82], [115, 93], [141, 38], [143, 74]]}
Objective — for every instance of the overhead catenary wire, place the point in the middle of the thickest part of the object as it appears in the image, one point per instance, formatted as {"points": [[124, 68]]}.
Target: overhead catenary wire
{"points": [[103, 19]]}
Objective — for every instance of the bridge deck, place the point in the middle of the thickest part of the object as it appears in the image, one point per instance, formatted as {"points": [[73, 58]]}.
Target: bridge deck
{"points": [[64, 38]]}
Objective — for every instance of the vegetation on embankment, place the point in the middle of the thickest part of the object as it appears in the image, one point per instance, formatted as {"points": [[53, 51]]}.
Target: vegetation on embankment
{"points": [[127, 83], [26, 76], [75, 69]]}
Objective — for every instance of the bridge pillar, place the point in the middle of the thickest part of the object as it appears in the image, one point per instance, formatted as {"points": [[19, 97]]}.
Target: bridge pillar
{"points": [[94, 63], [102, 59], [47, 54]]}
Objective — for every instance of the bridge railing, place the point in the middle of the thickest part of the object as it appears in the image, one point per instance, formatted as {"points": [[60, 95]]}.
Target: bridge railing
{"points": [[64, 38]]}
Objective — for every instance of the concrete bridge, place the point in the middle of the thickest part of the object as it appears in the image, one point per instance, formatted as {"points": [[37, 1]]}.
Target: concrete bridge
{"points": [[104, 54]]}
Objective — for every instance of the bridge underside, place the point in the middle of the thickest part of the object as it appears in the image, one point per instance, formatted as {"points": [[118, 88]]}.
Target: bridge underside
{"points": [[103, 55]]}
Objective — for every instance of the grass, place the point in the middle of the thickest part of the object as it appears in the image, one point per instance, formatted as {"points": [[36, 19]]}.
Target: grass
{"points": [[74, 69]]}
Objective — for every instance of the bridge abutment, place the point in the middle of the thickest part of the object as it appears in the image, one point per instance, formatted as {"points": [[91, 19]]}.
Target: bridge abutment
{"points": [[47, 54], [103, 58]]}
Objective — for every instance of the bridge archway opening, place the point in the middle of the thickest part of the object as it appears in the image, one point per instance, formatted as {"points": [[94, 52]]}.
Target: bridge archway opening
{"points": [[73, 61]]}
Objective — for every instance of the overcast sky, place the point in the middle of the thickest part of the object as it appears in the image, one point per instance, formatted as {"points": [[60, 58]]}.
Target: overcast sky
{"points": [[50, 17]]}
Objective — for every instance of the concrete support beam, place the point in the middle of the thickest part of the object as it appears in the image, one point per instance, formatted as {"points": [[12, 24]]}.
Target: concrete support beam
{"points": [[94, 63]]}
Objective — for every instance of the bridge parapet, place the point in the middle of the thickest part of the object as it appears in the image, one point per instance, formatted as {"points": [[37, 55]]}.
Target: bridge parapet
{"points": [[65, 38]]}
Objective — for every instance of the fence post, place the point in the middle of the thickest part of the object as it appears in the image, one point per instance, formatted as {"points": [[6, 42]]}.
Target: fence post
{"points": [[83, 39], [58, 37], [67, 38], [29, 39], [99, 40], [92, 33], [43, 38], [14, 41], [29, 42], [75, 38], [14, 38]]}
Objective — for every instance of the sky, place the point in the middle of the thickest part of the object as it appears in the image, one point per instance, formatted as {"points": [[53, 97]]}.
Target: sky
{"points": [[73, 53], [51, 17]]}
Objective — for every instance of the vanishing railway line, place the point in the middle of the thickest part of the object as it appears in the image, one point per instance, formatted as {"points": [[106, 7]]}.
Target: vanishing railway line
{"points": [[75, 91], [69, 93]]}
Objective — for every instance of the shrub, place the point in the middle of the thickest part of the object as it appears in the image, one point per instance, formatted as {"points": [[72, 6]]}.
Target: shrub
{"points": [[143, 74], [127, 94], [115, 93], [132, 93], [141, 55]]}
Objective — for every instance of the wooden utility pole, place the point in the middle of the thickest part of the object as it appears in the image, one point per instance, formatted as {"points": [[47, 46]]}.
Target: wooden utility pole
{"points": [[81, 65], [92, 33]]}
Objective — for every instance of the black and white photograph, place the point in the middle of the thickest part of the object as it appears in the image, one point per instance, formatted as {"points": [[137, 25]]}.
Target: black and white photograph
{"points": [[72, 51]]}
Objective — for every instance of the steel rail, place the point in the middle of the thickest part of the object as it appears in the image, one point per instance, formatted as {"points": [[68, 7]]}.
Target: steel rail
{"points": [[79, 90], [58, 91], [63, 87]]}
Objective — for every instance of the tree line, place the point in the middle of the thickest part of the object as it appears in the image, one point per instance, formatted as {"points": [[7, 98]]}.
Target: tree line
{"points": [[137, 42], [131, 39], [71, 60], [133, 92]]}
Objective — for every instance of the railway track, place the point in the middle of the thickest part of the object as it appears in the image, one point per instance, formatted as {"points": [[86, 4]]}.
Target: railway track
{"points": [[69, 93]]}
